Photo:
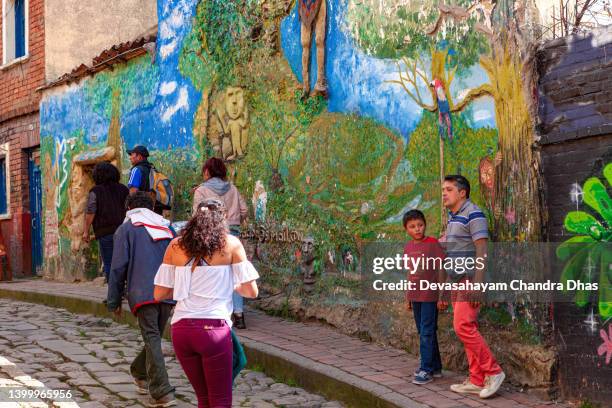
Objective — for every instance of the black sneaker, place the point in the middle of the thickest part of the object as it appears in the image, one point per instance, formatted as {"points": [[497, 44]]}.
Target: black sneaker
{"points": [[239, 321]]}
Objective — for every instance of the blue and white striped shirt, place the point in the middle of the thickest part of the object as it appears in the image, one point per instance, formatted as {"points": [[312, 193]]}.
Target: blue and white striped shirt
{"points": [[463, 228]]}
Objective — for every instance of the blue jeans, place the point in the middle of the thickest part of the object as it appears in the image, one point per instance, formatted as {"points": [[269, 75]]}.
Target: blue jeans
{"points": [[426, 319], [237, 300], [106, 251]]}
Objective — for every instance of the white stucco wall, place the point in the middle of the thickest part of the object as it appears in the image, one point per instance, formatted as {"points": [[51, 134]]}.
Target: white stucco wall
{"points": [[78, 30]]}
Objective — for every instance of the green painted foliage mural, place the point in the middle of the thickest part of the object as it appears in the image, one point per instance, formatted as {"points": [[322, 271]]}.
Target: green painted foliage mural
{"points": [[220, 42], [134, 85], [590, 249], [391, 29]]}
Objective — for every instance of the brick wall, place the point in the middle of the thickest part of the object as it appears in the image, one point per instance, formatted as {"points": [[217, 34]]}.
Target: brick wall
{"points": [[19, 126], [575, 112]]}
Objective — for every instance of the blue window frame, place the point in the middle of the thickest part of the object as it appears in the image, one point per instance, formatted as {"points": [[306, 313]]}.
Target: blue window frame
{"points": [[3, 195]]}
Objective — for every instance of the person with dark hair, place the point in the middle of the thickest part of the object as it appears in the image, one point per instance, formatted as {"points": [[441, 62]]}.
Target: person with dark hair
{"points": [[201, 270], [105, 210], [140, 244], [217, 187], [467, 234], [140, 174], [424, 302]]}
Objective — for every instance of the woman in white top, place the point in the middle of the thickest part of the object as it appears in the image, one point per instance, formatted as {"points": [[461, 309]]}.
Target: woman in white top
{"points": [[200, 271]]}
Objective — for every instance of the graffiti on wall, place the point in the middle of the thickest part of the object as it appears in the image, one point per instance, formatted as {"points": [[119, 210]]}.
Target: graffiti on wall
{"points": [[583, 253]]}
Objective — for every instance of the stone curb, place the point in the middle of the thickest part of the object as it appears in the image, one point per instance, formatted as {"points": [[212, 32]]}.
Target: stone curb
{"points": [[314, 377]]}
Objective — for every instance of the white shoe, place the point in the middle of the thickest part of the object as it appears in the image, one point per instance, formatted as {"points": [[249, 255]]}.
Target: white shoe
{"points": [[466, 387], [492, 384]]}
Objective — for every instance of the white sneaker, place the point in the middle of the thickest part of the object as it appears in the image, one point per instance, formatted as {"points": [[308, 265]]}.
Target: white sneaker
{"points": [[492, 384], [466, 387]]}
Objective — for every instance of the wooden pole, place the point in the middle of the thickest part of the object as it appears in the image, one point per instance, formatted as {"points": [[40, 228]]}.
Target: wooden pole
{"points": [[442, 212]]}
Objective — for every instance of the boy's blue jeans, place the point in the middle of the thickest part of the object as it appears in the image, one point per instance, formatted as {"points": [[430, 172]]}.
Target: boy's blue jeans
{"points": [[426, 319]]}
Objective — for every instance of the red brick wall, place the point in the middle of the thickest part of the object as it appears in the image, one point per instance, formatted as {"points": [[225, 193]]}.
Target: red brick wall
{"points": [[18, 83], [19, 126]]}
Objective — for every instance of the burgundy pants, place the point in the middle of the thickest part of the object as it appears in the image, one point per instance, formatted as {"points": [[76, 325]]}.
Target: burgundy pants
{"points": [[204, 349]]}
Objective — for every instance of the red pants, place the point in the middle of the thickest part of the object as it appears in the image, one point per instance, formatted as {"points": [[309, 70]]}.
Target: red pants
{"points": [[480, 359]]}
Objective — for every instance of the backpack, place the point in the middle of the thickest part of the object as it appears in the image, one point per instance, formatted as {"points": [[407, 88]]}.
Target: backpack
{"points": [[161, 186]]}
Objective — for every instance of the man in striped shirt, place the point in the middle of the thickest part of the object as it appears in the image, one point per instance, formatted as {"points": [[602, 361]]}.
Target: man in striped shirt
{"points": [[466, 237]]}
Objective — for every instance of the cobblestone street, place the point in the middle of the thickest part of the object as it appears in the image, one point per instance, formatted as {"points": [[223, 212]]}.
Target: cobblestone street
{"points": [[90, 356]]}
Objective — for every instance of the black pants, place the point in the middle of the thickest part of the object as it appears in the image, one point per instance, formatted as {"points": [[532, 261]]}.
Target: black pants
{"points": [[150, 365]]}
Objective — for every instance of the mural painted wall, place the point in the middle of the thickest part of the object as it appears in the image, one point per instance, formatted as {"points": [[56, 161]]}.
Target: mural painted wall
{"points": [[334, 118]]}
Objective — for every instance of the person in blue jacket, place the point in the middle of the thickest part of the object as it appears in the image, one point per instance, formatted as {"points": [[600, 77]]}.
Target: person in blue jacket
{"points": [[139, 247]]}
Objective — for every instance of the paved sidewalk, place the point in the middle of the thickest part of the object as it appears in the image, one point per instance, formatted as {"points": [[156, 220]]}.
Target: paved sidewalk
{"points": [[382, 370]]}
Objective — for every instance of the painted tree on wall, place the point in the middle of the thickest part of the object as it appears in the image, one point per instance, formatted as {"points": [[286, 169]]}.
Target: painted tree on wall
{"points": [[395, 29], [508, 27], [507, 60]]}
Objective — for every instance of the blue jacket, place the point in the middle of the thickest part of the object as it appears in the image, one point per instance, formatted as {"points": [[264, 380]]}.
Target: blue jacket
{"points": [[136, 259]]}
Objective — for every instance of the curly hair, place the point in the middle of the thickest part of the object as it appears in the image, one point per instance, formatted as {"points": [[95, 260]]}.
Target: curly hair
{"points": [[104, 172], [206, 231]]}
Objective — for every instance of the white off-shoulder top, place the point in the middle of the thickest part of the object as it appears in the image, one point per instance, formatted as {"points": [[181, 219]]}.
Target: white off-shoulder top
{"points": [[205, 293]]}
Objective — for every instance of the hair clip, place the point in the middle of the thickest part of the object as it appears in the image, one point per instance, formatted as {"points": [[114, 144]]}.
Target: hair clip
{"points": [[204, 208]]}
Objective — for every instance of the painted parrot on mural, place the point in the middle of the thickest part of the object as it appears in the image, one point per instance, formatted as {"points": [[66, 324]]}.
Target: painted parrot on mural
{"points": [[444, 117]]}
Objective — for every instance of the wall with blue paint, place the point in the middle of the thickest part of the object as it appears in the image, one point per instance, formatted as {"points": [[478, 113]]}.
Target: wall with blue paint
{"points": [[171, 104]]}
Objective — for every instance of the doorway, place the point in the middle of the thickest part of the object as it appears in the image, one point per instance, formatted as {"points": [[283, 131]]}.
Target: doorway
{"points": [[35, 183]]}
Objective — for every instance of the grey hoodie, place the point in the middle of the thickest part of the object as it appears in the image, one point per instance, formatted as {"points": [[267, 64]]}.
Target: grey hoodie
{"points": [[227, 193]]}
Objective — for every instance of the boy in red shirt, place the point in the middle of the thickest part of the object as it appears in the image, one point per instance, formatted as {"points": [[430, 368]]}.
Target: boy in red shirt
{"points": [[424, 303]]}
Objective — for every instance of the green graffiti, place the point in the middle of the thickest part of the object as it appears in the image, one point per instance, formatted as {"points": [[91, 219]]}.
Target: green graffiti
{"points": [[591, 232]]}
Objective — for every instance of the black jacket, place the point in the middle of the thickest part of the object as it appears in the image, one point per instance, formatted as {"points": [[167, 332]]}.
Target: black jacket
{"points": [[110, 208]]}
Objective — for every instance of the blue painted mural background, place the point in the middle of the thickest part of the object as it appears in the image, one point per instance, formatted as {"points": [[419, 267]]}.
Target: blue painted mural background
{"points": [[160, 120]]}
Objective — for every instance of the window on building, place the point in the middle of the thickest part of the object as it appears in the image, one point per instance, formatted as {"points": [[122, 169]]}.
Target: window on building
{"points": [[3, 183], [14, 29]]}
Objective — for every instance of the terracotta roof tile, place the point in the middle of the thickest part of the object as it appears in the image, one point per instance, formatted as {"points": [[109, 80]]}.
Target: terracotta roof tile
{"points": [[116, 54]]}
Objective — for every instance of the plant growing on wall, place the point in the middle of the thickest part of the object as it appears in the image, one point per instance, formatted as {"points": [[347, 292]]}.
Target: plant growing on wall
{"points": [[591, 248]]}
